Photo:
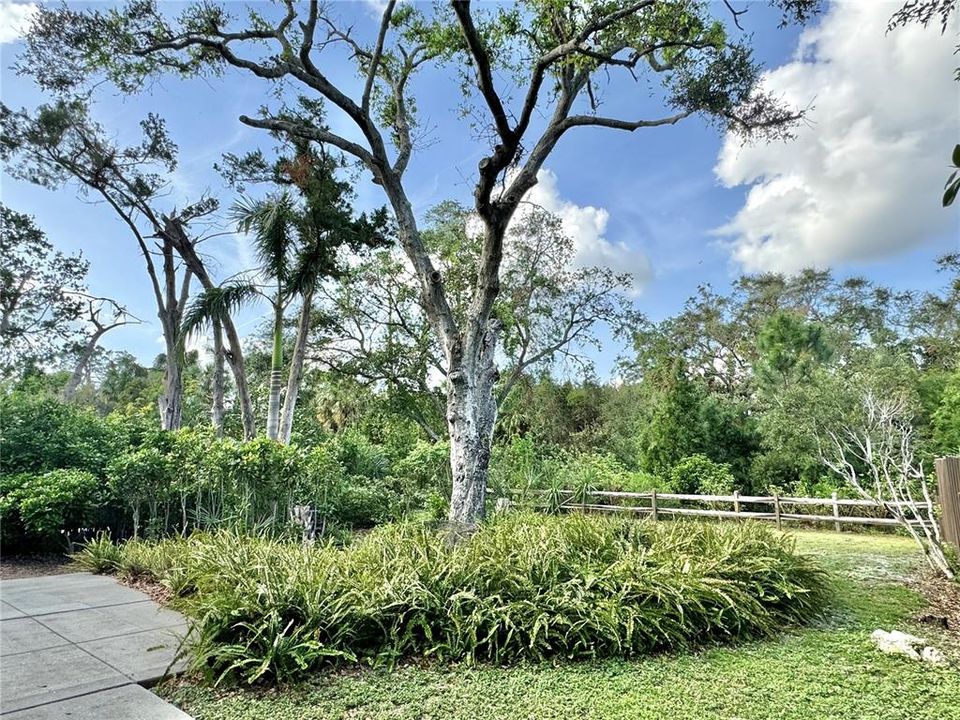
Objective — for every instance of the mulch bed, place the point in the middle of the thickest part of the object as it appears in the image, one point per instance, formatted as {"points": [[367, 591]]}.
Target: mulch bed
{"points": [[157, 592], [24, 566], [943, 598]]}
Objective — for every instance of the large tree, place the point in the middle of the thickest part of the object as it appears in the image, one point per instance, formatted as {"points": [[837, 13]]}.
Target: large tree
{"points": [[532, 74], [550, 308], [60, 144]]}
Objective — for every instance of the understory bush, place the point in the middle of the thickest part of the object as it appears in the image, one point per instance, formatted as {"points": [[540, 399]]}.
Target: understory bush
{"points": [[36, 509], [524, 586], [699, 474], [39, 433]]}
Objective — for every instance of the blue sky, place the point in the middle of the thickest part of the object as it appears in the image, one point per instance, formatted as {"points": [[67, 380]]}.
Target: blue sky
{"points": [[858, 190]]}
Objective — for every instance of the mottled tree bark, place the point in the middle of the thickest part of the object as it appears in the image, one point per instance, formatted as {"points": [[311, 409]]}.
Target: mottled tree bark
{"points": [[170, 312], [471, 416], [170, 401]]}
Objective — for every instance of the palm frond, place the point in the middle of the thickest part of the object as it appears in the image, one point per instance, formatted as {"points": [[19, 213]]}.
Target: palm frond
{"points": [[217, 303], [271, 222]]}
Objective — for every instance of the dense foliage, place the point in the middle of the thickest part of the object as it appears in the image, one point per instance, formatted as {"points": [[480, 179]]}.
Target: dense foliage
{"points": [[42, 294], [735, 393], [823, 671], [524, 586]]}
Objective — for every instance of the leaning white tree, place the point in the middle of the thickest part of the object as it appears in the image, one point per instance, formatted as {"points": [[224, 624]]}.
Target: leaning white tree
{"points": [[874, 452], [529, 73]]}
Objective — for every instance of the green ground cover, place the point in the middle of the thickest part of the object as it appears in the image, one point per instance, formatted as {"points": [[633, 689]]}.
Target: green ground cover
{"points": [[823, 672]]}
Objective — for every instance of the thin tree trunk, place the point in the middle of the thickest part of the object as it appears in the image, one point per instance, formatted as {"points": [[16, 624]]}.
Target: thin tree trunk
{"points": [[295, 373], [238, 368], [81, 368], [276, 370], [173, 228], [217, 411]]}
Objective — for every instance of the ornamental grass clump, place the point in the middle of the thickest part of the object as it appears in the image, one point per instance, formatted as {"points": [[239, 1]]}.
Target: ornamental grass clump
{"points": [[524, 587]]}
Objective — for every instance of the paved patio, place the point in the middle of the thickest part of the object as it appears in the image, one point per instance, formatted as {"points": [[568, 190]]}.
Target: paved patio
{"points": [[82, 646]]}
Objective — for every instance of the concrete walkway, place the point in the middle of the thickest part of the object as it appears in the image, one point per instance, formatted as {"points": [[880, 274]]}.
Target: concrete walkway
{"points": [[82, 646]]}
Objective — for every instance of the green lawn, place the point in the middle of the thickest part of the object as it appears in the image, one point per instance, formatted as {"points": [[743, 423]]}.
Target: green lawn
{"points": [[830, 671]]}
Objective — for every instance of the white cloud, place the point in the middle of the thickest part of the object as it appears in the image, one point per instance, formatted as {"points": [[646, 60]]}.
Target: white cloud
{"points": [[202, 344], [587, 226], [375, 8], [15, 19], [864, 179]]}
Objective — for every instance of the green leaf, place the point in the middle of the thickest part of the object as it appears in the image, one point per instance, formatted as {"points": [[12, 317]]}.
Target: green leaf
{"points": [[951, 194], [956, 155]]}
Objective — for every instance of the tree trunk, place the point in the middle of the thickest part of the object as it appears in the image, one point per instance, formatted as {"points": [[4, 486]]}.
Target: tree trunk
{"points": [[173, 228], [471, 415], [276, 370], [81, 368], [171, 400], [239, 370], [170, 312], [295, 373], [216, 410]]}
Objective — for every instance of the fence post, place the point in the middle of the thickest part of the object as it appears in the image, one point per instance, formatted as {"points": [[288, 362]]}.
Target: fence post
{"points": [[736, 502], [653, 504], [776, 509], [836, 512], [948, 487]]}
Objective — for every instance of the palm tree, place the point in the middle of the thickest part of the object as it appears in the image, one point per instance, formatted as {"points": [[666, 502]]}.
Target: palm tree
{"points": [[212, 307], [274, 223], [292, 257], [296, 246]]}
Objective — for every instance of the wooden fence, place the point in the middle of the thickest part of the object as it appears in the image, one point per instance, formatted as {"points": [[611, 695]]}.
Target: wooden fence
{"points": [[948, 486], [781, 509]]}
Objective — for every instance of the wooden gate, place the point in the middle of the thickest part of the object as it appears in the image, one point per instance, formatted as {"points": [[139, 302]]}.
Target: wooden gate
{"points": [[948, 483]]}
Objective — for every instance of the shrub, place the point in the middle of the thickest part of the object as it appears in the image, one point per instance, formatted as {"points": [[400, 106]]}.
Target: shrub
{"points": [[364, 503], [141, 477], [700, 474], [11, 526], [422, 479], [523, 587], [263, 474], [40, 433], [593, 471], [43, 506], [360, 457], [516, 466], [641, 481], [320, 483]]}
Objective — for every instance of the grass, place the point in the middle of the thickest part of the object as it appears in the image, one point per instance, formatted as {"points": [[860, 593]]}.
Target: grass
{"points": [[821, 673]]}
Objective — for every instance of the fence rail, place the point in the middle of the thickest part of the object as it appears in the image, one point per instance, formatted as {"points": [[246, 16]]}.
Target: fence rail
{"points": [[783, 508]]}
